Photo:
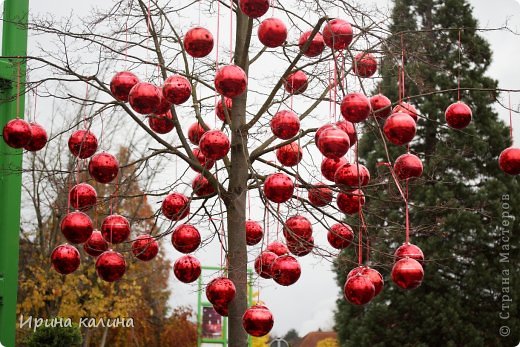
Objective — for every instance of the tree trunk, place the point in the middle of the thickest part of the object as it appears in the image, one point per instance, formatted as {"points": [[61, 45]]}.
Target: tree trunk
{"points": [[104, 338]]}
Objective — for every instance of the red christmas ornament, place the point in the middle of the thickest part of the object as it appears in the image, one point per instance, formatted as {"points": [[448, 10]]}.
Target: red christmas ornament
{"points": [[399, 128], [407, 273], [375, 277], [257, 320], [278, 187], [272, 32], [408, 250], [407, 108], [296, 83], [163, 106], [509, 161], [220, 111], [333, 143], [221, 310], [83, 144], [65, 259], [365, 65], [176, 89], [121, 84], [381, 105], [320, 131], [458, 115], [337, 34], [285, 124], [82, 196], [348, 127], [161, 123], [201, 186], [110, 266], [290, 154], [195, 132], [254, 8], [145, 247], [316, 46], [352, 175], [17, 133], [340, 235], [349, 202], [408, 166], [297, 227], [231, 81], [277, 248], [176, 206], [198, 42], [38, 138], [115, 228], [330, 166], [214, 144], [76, 227], [220, 291], [286, 270], [187, 269], [254, 232], [359, 289], [264, 263], [203, 161], [320, 195], [186, 238], [300, 248], [355, 107], [103, 167], [96, 244], [144, 98]]}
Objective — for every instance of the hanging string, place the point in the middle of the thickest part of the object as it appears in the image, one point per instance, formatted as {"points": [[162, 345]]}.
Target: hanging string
{"points": [[401, 72], [18, 90], [216, 59], [35, 95], [458, 73], [407, 214], [231, 32], [510, 119], [278, 222]]}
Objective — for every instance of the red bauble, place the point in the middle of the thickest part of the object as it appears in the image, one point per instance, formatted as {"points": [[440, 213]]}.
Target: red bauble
{"points": [[407, 108], [221, 310], [272, 32], [316, 46], [297, 228], [408, 166], [221, 112], [65, 259], [145, 247], [375, 277], [408, 250], [96, 244], [115, 228], [407, 273], [364, 65], [203, 161], [201, 186], [144, 98], [82, 196], [278, 187], [195, 132], [381, 105], [300, 248], [121, 84], [38, 138], [214, 144], [333, 143], [254, 232], [277, 248], [399, 128], [320, 195], [264, 263], [352, 175], [349, 202], [17, 133], [359, 289], [290, 154], [163, 106], [257, 320], [458, 115], [286, 270], [231, 81], [176, 206], [254, 8], [337, 34], [285, 124], [198, 42], [82, 144], [76, 227], [340, 235], [176, 89], [186, 238], [110, 266], [296, 83], [355, 107], [103, 167], [509, 161], [220, 291], [320, 131], [161, 123], [187, 269], [329, 167], [348, 127]]}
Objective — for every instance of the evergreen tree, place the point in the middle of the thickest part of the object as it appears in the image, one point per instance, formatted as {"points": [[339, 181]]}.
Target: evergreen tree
{"points": [[459, 208]]}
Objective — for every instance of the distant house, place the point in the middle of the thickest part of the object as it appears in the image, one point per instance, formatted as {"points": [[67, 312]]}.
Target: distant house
{"points": [[319, 339]]}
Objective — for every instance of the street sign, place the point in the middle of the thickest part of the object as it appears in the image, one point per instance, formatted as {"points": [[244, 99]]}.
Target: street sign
{"points": [[279, 342]]}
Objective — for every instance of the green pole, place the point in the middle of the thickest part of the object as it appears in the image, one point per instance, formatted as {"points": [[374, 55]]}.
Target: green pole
{"points": [[14, 44]]}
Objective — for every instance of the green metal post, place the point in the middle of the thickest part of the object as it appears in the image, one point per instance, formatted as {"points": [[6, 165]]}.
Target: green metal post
{"points": [[14, 44]]}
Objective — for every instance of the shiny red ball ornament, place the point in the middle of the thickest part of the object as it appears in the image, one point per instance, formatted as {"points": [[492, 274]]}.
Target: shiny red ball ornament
{"points": [[254, 8], [381, 106], [176, 89], [96, 244], [399, 128], [340, 235], [214, 144], [355, 107], [83, 144], [458, 115], [115, 228], [76, 227], [330, 166], [364, 65], [220, 291], [509, 161], [296, 83], [349, 202], [198, 42], [257, 320], [103, 167], [110, 266], [348, 128], [290, 154], [65, 259], [203, 161], [359, 289], [352, 175], [221, 112], [272, 32], [144, 98], [337, 34], [264, 263], [278, 187], [320, 195], [254, 232], [163, 106], [186, 238], [231, 81], [121, 84], [407, 108], [407, 273], [301, 248], [285, 124], [201, 186], [316, 46], [407, 166], [333, 143], [221, 310], [320, 131], [175, 206], [187, 269], [277, 248], [408, 250], [298, 227], [195, 132], [161, 123], [82, 196], [286, 270], [372, 274], [145, 247], [17, 133], [38, 138]]}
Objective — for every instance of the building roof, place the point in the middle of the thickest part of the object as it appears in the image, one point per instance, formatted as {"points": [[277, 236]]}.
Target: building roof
{"points": [[312, 338]]}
